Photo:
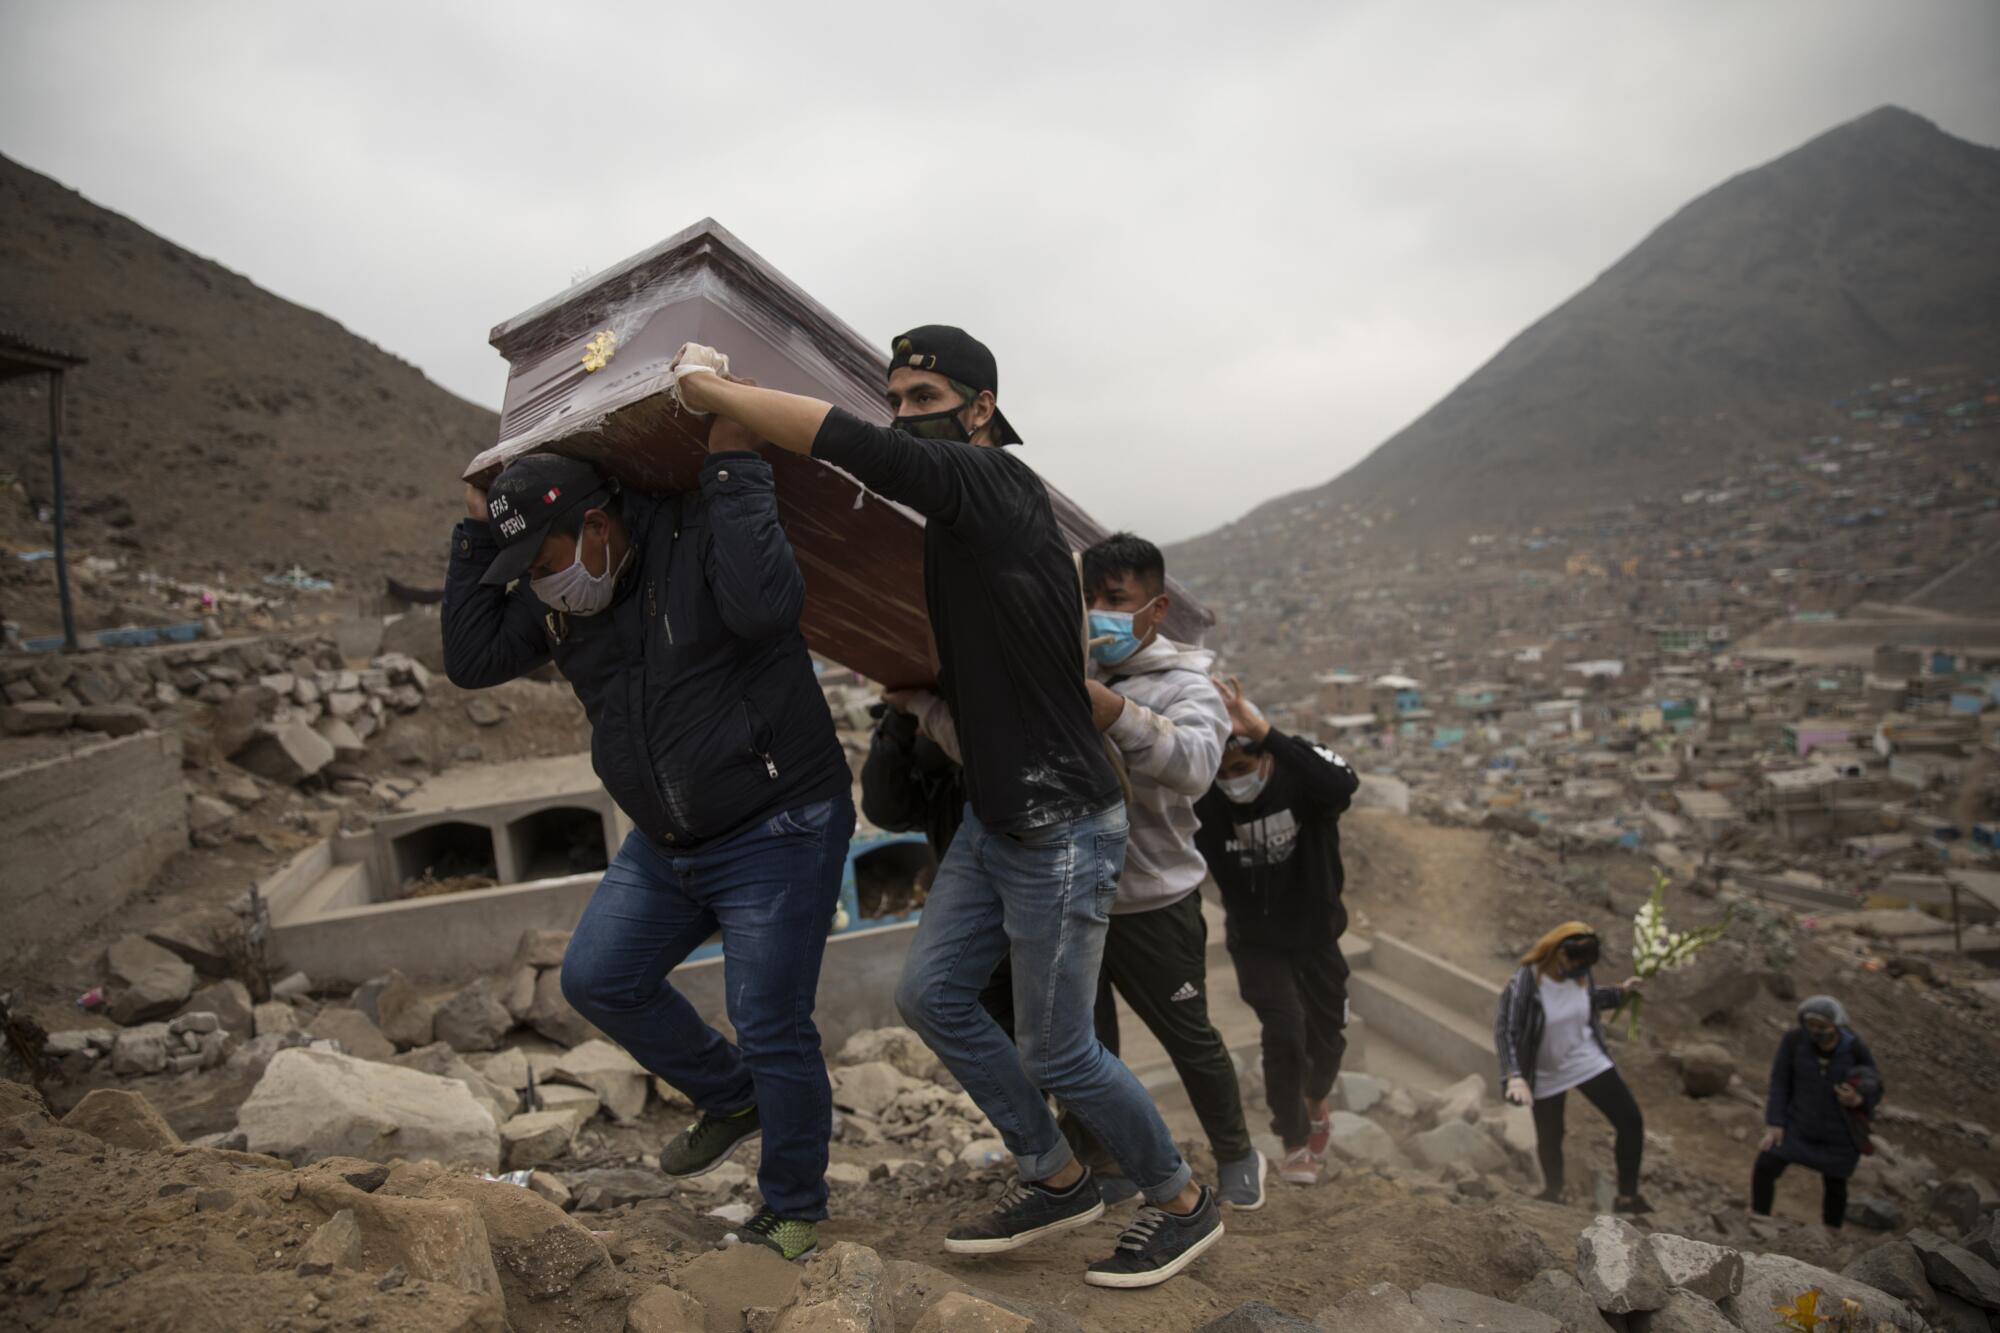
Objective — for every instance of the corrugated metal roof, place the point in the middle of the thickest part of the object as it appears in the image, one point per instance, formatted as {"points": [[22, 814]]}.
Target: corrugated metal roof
{"points": [[21, 355]]}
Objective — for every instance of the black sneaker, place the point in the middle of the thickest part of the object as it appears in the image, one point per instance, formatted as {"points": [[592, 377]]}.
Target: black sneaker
{"points": [[708, 1143], [1027, 1212], [1158, 1245], [1632, 1205], [790, 1239]]}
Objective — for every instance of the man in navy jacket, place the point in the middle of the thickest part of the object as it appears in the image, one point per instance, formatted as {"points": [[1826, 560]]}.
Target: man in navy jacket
{"points": [[676, 621]]}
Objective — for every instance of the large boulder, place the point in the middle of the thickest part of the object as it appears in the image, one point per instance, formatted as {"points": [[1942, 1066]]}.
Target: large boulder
{"points": [[1382, 1308], [552, 1015], [474, 1019], [1359, 1093], [1713, 1271], [1454, 1142], [962, 1312], [1771, 1281], [312, 1104], [1561, 1297], [1965, 1199], [1364, 1141], [541, 948], [1705, 1068], [869, 1089], [230, 1002], [206, 939], [661, 1309], [841, 1293], [741, 1277], [1955, 1269], [619, 1081], [441, 1060], [1896, 1268], [121, 1119], [537, 1138], [542, 1254], [351, 1028], [1462, 1100], [286, 752], [1618, 1268], [897, 1046], [146, 981], [142, 1050], [1451, 1309], [404, 1015]]}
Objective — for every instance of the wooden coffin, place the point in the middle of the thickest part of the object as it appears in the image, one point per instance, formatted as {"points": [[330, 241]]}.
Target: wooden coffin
{"points": [[862, 555]]}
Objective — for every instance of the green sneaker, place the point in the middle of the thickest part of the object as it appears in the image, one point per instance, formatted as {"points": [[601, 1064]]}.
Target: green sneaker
{"points": [[792, 1240], [708, 1143]]}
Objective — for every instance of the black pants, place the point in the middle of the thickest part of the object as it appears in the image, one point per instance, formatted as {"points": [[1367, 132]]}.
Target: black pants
{"points": [[1300, 996], [1764, 1188], [1158, 961], [1608, 1093]]}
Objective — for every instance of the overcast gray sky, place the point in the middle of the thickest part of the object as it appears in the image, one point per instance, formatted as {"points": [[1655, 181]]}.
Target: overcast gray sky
{"points": [[1221, 251]]}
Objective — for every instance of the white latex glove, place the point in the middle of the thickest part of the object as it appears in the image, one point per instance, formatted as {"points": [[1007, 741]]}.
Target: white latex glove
{"points": [[1517, 1091], [695, 359]]}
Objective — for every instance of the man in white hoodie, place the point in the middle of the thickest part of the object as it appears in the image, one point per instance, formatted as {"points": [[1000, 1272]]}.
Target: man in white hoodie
{"points": [[1154, 699]]}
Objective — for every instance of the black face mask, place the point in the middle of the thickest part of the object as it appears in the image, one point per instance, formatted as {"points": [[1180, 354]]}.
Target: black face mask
{"points": [[1581, 955], [943, 425]]}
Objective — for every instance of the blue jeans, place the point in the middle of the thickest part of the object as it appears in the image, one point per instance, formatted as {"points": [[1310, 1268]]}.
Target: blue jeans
{"points": [[772, 890], [1043, 899]]}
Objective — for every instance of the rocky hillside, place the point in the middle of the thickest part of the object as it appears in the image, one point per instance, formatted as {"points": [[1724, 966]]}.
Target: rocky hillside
{"points": [[1868, 249], [217, 428]]}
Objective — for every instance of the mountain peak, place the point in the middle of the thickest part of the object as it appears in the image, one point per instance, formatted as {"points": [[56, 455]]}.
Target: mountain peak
{"points": [[1863, 253]]}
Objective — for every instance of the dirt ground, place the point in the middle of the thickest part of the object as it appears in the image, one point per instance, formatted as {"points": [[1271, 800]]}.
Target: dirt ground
{"points": [[1457, 892]]}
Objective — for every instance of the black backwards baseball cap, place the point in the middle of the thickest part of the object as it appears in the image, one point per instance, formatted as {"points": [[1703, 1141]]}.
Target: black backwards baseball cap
{"points": [[956, 355], [528, 497]]}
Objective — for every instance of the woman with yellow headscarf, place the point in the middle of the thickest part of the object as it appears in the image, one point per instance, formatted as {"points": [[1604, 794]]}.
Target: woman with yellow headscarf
{"points": [[1549, 1041]]}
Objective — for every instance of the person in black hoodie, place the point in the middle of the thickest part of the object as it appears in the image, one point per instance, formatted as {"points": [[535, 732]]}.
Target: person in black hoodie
{"points": [[676, 621], [1270, 833]]}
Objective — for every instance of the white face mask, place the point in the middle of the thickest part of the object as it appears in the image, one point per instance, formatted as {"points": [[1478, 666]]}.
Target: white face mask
{"points": [[576, 590], [1245, 789]]}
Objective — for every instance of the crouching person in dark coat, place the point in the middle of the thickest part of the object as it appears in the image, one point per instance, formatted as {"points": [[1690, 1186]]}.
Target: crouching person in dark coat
{"points": [[1824, 1086]]}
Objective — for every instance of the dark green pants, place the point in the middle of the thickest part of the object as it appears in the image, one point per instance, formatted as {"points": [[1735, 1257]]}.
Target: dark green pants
{"points": [[1158, 961]]}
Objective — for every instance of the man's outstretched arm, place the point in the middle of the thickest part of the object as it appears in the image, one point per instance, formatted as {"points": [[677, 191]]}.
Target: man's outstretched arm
{"points": [[788, 420]]}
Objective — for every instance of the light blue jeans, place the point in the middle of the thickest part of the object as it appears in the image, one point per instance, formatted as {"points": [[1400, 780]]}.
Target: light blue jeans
{"points": [[1042, 897]]}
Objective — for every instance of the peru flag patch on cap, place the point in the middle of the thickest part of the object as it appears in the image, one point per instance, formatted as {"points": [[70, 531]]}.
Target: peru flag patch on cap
{"points": [[554, 493]]}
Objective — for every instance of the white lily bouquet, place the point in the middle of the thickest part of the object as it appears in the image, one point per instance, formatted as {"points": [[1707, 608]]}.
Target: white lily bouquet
{"points": [[1655, 949]]}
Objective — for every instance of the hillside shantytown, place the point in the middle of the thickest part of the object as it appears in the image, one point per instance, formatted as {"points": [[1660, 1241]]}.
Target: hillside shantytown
{"points": [[388, 884]]}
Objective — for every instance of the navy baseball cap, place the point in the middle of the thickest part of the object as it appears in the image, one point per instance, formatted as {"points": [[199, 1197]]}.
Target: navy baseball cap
{"points": [[527, 498]]}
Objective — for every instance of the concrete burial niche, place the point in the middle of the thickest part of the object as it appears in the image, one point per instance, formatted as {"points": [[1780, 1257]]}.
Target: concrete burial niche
{"points": [[542, 830], [356, 906], [862, 556]]}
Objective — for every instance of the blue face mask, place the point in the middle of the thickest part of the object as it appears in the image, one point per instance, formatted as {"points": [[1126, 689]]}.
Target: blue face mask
{"points": [[1115, 628]]}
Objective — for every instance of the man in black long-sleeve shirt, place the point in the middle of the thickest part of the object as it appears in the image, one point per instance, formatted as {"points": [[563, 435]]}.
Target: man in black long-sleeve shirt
{"points": [[1032, 871], [1270, 833]]}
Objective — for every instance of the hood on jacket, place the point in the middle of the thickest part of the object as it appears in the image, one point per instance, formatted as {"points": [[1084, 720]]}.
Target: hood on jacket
{"points": [[1824, 1006], [1162, 654]]}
